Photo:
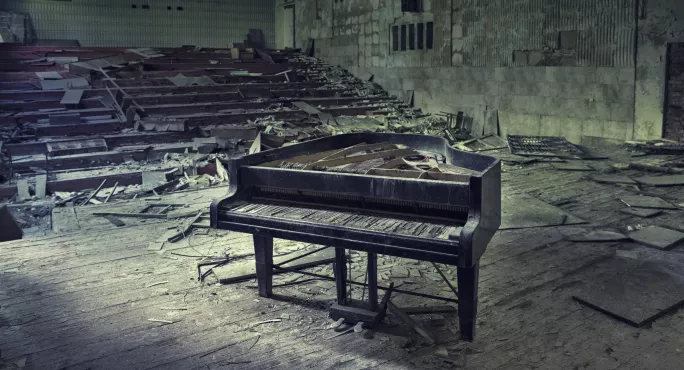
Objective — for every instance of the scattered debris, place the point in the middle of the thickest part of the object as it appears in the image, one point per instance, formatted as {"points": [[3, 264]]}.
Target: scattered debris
{"points": [[545, 146], [115, 221], [157, 283], [161, 321], [392, 308], [657, 146], [482, 144], [265, 322], [337, 323]]}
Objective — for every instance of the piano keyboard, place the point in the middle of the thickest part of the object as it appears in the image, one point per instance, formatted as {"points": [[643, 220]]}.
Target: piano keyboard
{"points": [[350, 219]]}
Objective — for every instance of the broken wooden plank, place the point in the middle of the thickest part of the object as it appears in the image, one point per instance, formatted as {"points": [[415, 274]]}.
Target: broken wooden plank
{"points": [[72, 97], [136, 215], [416, 326], [186, 229], [256, 145], [49, 75], [65, 118], [94, 193], [264, 55], [306, 107], [115, 221], [64, 84], [112, 193]]}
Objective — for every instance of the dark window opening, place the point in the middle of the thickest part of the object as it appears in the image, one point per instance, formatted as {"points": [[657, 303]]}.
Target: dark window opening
{"points": [[412, 36], [415, 6], [428, 31], [145, 6], [168, 8], [179, 8], [395, 38], [419, 36], [403, 37], [133, 6]]}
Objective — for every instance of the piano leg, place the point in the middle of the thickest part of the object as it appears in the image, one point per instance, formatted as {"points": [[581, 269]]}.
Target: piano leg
{"points": [[467, 300], [340, 270], [373, 281], [263, 254]]}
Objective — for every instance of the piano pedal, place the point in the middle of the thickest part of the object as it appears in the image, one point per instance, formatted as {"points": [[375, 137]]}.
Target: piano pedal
{"points": [[354, 312]]}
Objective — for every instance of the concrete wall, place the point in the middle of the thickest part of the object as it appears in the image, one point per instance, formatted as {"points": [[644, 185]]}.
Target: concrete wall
{"points": [[660, 22], [208, 23], [548, 66]]}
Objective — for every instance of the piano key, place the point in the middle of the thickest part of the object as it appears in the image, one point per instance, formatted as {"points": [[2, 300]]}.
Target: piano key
{"points": [[356, 219]]}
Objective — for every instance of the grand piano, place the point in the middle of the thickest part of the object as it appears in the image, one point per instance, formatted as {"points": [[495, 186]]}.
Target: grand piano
{"points": [[410, 196]]}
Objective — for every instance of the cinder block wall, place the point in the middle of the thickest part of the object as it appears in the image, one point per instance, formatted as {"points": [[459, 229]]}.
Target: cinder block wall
{"points": [[550, 67], [207, 23]]}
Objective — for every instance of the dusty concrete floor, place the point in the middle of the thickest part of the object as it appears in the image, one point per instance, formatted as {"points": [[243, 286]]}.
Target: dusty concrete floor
{"points": [[83, 298]]}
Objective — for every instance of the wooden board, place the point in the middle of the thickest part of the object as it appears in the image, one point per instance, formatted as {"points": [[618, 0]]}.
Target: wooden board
{"points": [[72, 97]]}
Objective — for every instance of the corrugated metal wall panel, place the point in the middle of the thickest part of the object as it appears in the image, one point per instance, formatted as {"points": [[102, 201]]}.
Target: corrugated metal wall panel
{"points": [[208, 23], [497, 28]]}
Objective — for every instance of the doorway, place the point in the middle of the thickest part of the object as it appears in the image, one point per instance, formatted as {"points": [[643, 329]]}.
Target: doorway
{"points": [[289, 26]]}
